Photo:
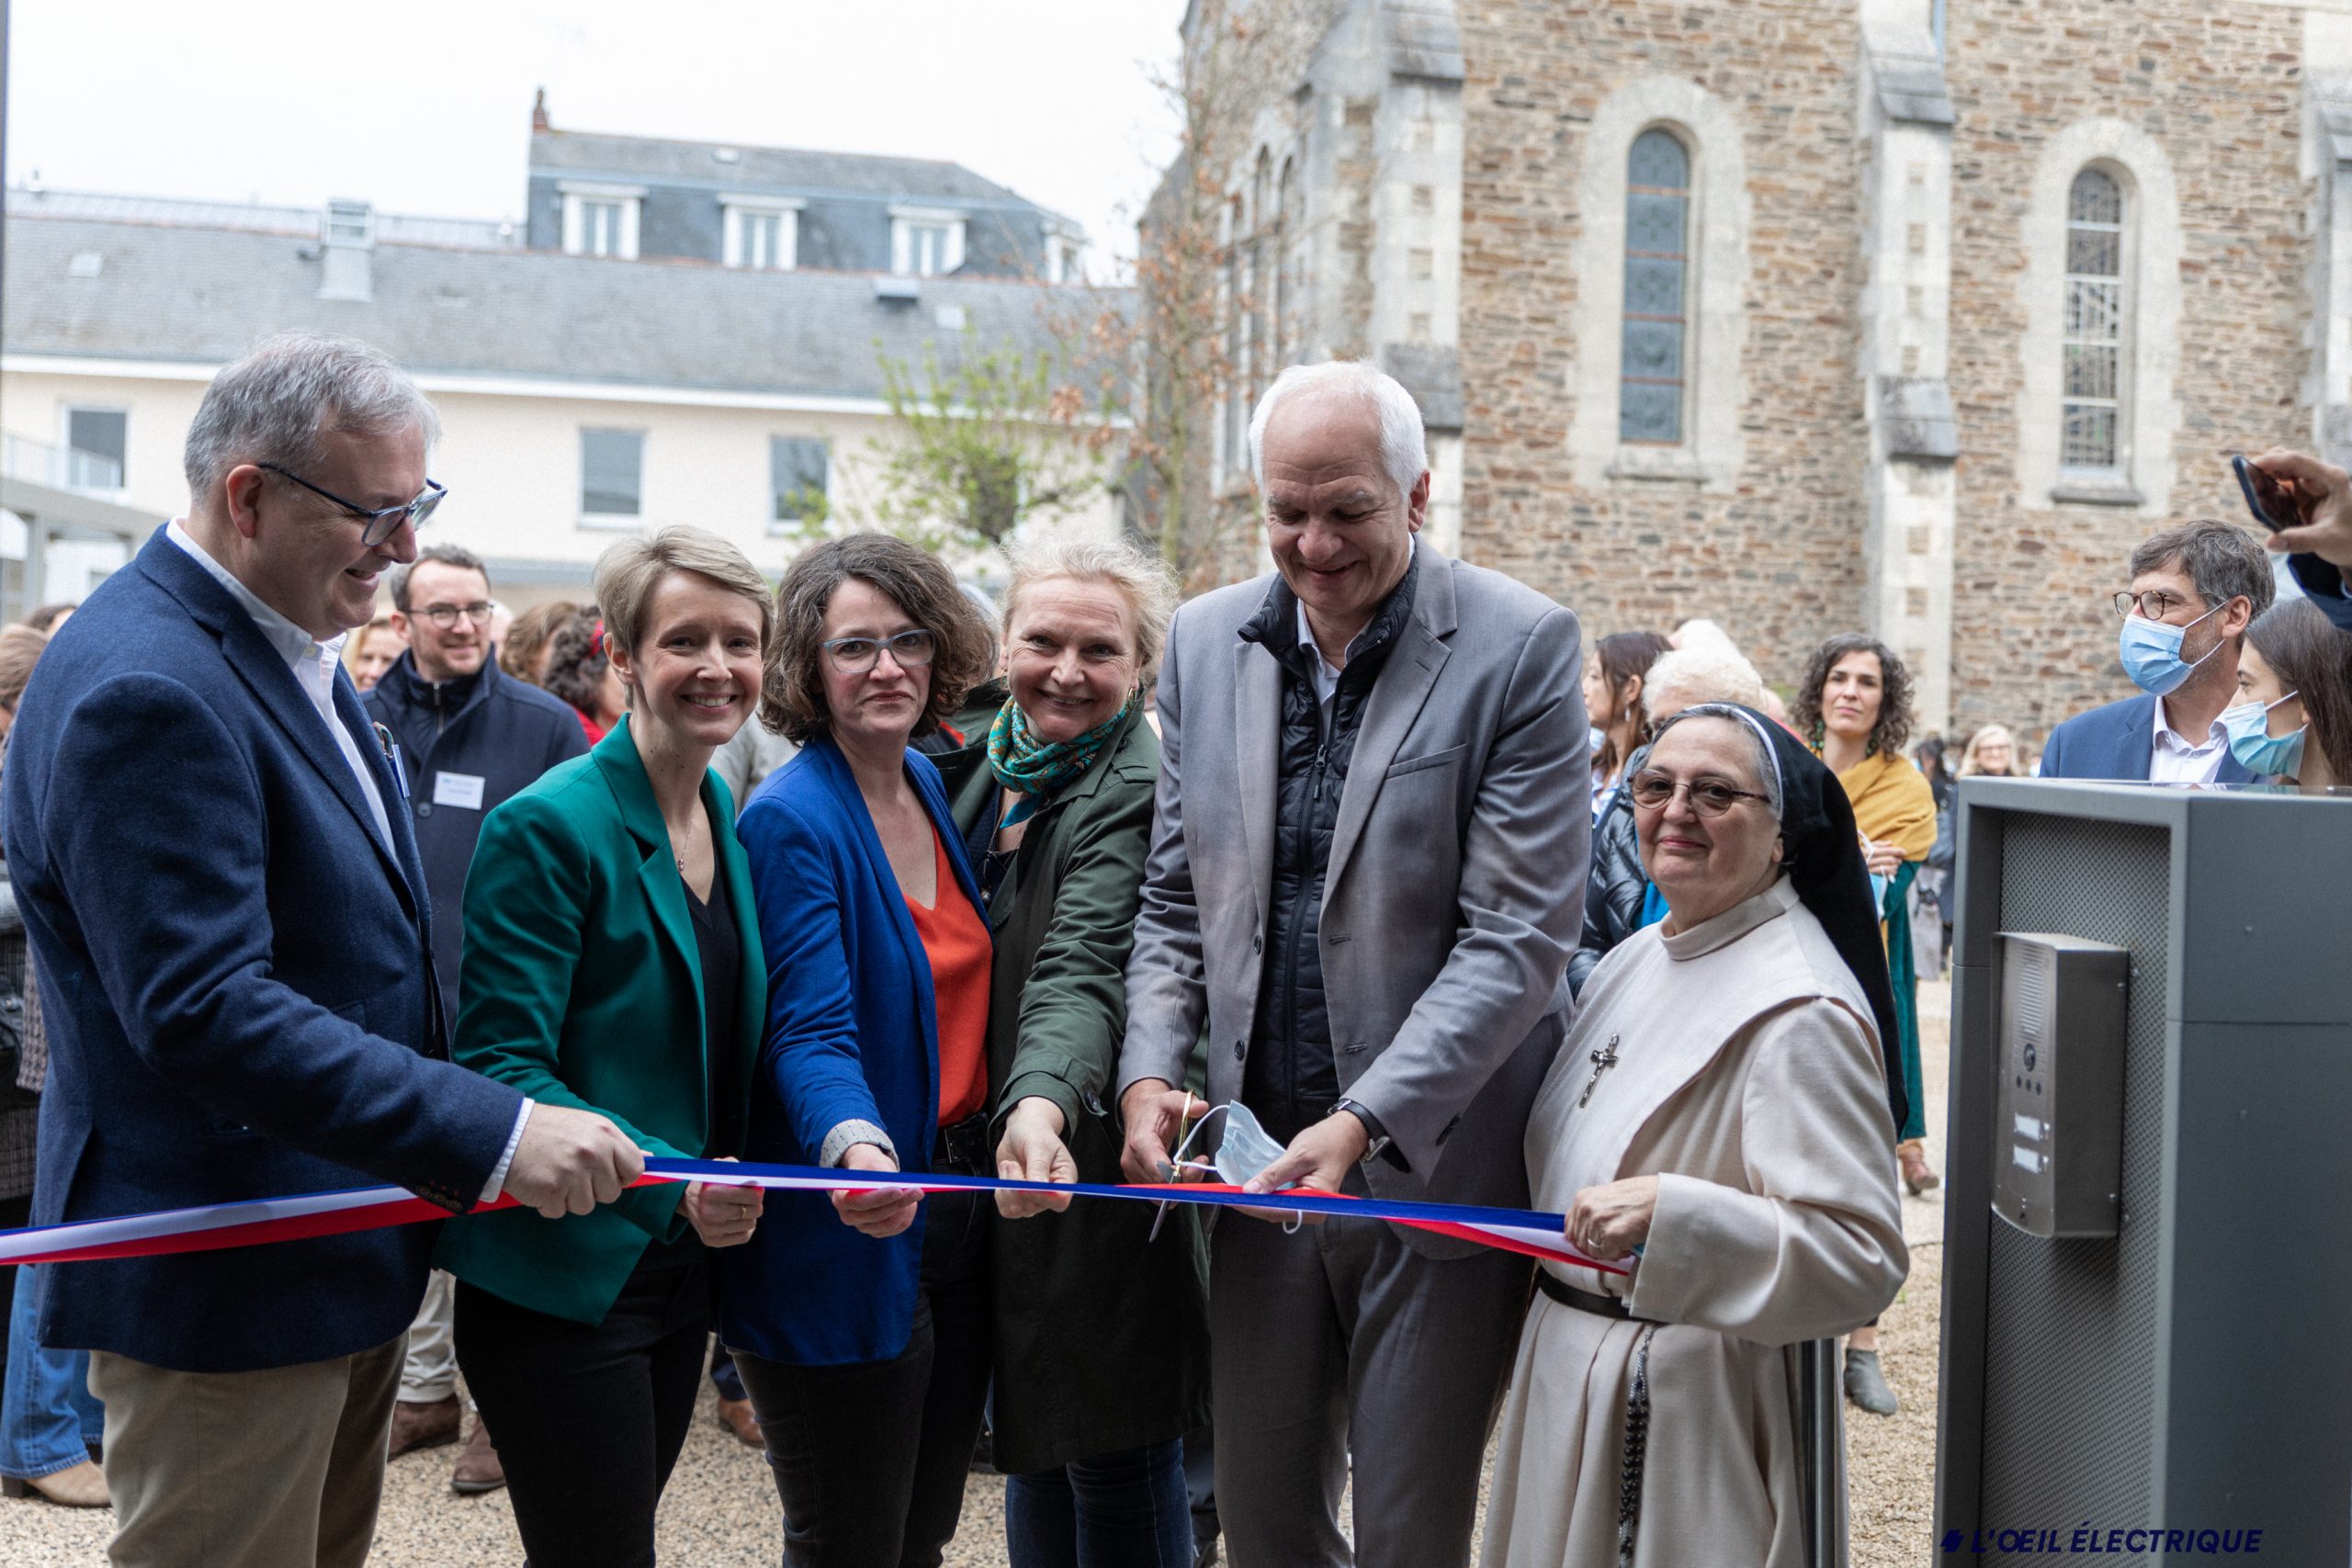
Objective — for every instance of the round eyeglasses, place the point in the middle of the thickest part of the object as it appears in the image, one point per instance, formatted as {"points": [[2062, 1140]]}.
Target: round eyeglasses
{"points": [[856, 655]]}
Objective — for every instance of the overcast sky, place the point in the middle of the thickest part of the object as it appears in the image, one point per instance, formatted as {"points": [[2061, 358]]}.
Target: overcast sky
{"points": [[424, 106]]}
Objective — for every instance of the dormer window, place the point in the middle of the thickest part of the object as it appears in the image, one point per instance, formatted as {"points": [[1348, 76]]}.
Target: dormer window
{"points": [[1063, 247], [762, 232], [925, 242], [600, 220]]}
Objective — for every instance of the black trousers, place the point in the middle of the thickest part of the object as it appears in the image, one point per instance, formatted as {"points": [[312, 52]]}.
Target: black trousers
{"points": [[589, 1420], [870, 1458]]}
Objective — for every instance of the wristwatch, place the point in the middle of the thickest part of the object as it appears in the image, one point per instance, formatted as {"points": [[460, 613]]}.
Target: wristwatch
{"points": [[1379, 1135]]}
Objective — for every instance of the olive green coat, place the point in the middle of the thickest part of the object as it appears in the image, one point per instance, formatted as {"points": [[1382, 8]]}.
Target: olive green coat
{"points": [[1102, 1335], [582, 987]]}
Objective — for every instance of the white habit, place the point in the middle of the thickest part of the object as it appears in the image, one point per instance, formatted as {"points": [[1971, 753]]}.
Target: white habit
{"points": [[1748, 1078]]}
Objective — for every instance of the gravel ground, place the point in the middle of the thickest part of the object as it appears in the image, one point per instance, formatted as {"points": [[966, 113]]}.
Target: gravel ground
{"points": [[720, 1510]]}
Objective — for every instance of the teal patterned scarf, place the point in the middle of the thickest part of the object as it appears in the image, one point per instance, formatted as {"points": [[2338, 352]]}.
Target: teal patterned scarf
{"points": [[1038, 768]]}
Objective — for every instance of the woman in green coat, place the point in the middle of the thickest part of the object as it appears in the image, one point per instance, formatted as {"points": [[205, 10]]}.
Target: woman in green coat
{"points": [[612, 963], [1101, 1328]]}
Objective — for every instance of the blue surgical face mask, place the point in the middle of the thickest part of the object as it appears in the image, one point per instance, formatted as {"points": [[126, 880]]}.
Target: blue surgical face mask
{"points": [[1247, 1148], [2258, 751], [2151, 653]]}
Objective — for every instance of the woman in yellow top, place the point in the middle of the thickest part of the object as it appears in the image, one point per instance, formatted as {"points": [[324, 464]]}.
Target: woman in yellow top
{"points": [[1854, 709]]}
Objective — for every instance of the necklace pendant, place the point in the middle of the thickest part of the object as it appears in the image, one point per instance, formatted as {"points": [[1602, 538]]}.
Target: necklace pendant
{"points": [[1602, 1060]]}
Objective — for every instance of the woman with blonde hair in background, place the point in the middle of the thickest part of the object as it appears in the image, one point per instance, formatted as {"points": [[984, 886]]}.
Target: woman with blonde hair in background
{"points": [[1991, 753]]}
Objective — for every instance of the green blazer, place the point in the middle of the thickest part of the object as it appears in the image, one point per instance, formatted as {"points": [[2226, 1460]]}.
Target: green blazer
{"points": [[581, 985], [1100, 1332]]}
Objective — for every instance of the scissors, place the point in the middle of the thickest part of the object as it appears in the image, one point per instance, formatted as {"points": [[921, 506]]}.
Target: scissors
{"points": [[1175, 1169]]}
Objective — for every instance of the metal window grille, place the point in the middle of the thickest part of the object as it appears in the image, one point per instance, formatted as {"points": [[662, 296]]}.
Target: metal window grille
{"points": [[1657, 327], [2093, 346]]}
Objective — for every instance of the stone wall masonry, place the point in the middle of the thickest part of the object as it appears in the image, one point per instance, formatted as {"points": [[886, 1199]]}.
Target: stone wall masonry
{"points": [[1776, 553], [2216, 85]]}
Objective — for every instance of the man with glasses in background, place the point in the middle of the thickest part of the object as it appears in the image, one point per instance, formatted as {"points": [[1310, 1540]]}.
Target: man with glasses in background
{"points": [[2195, 589], [224, 899], [468, 737]]}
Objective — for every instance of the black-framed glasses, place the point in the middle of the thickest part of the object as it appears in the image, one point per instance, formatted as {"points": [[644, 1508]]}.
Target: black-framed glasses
{"points": [[856, 655], [446, 616], [1709, 797], [382, 521], [2156, 603]]}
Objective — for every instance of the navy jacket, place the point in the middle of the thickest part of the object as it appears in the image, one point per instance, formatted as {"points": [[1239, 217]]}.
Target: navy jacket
{"points": [[486, 726], [2117, 741], [2324, 585], [234, 967], [853, 1034]]}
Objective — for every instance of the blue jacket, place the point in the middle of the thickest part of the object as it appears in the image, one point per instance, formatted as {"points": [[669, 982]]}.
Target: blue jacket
{"points": [[2117, 741], [2324, 585], [852, 1036], [501, 731], [237, 976]]}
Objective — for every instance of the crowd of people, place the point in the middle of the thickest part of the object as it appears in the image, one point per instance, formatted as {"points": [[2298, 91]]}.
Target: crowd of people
{"points": [[1366, 877]]}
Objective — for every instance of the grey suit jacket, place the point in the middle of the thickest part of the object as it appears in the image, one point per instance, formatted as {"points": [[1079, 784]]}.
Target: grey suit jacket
{"points": [[1454, 892]]}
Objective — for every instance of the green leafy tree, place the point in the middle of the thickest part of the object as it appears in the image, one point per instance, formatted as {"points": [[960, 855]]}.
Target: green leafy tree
{"points": [[971, 451]]}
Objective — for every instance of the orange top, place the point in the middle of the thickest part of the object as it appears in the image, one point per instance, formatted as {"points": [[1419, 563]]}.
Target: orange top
{"points": [[957, 941]]}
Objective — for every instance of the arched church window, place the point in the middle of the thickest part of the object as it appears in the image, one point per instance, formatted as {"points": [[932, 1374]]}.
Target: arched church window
{"points": [[2097, 310], [1655, 344]]}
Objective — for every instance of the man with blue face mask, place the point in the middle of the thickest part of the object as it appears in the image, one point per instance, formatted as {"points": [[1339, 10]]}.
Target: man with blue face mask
{"points": [[2195, 589]]}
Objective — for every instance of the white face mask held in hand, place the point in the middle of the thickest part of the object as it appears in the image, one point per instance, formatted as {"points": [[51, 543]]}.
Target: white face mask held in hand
{"points": [[1247, 1149]]}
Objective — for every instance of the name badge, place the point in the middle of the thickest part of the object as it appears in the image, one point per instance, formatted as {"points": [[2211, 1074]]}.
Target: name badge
{"points": [[458, 789]]}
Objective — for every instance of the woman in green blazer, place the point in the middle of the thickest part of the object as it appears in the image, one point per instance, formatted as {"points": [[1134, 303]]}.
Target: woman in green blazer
{"points": [[1100, 1329], [612, 963]]}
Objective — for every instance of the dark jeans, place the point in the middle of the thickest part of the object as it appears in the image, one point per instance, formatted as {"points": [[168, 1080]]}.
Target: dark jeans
{"points": [[870, 1456], [590, 1420], [1122, 1510]]}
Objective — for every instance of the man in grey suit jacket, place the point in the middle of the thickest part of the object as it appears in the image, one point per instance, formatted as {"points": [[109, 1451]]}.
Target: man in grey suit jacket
{"points": [[1366, 877]]}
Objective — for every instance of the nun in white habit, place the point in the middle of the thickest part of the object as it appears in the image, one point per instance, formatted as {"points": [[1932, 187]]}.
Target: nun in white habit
{"points": [[1717, 1125]]}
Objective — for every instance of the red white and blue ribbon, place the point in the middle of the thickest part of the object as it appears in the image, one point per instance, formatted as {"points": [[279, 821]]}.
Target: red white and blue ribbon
{"points": [[214, 1227]]}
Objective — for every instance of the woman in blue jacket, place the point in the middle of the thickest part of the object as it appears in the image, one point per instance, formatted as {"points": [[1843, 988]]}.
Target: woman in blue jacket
{"points": [[860, 1328]]}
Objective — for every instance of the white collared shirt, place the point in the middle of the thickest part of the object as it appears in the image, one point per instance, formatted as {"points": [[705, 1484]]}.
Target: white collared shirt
{"points": [[314, 664], [2172, 759], [1326, 674]]}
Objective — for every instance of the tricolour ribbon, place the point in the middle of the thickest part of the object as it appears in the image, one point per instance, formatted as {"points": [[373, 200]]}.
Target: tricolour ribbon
{"points": [[214, 1227]]}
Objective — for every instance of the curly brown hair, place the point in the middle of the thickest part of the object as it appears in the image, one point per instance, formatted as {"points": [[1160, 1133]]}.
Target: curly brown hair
{"points": [[1892, 730], [792, 691]]}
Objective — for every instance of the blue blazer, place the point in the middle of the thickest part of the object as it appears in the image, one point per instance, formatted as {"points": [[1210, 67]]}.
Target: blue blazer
{"points": [[852, 1036], [2324, 585], [2117, 741], [238, 978]]}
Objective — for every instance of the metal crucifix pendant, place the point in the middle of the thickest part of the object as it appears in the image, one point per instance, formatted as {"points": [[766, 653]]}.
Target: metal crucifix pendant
{"points": [[1602, 1060]]}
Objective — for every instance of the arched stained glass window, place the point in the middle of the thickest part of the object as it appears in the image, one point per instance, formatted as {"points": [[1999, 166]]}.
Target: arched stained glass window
{"points": [[1657, 267], [2095, 307]]}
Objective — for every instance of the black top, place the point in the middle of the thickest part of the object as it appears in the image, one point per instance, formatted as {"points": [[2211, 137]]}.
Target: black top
{"points": [[720, 948]]}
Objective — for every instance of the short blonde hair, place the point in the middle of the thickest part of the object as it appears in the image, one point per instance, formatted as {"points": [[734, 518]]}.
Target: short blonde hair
{"points": [[20, 648], [628, 573], [1140, 578], [1969, 767]]}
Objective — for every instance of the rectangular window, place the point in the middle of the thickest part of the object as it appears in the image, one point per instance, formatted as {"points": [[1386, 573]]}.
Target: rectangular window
{"points": [[612, 473], [600, 227], [761, 237], [96, 443], [927, 249], [798, 470], [1658, 217]]}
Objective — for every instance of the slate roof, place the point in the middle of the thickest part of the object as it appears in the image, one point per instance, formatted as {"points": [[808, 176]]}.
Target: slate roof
{"points": [[204, 295], [588, 155]]}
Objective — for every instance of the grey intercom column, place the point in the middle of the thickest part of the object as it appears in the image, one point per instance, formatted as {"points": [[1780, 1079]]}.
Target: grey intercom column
{"points": [[2148, 1225]]}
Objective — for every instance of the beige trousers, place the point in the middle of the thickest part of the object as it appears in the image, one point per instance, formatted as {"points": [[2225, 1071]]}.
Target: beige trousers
{"points": [[275, 1468]]}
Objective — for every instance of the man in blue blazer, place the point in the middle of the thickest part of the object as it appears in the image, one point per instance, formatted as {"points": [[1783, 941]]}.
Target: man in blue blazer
{"points": [[2319, 552], [2195, 589], [230, 920]]}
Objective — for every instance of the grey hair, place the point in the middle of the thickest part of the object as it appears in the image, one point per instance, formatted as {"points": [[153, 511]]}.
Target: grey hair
{"points": [[1708, 672], [273, 406], [1139, 577], [1404, 446], [2220, 560], [440, 550], [1768, 758]]}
